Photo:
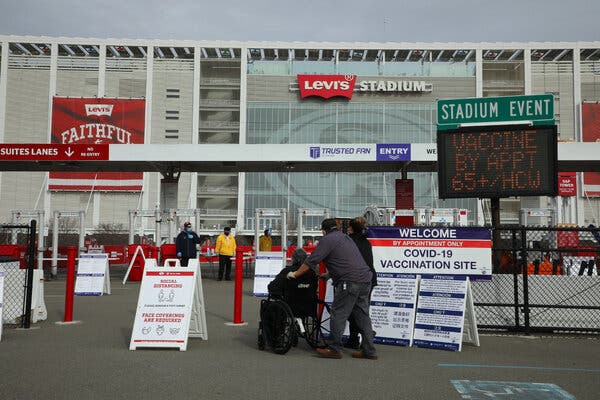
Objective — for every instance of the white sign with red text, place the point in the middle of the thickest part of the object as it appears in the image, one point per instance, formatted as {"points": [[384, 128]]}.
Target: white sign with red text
{"points": [[170, 307]]}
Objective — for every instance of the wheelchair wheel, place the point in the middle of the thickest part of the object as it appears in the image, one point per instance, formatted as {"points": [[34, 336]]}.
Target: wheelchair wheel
{"points": [[317, 327], [278, 326]]}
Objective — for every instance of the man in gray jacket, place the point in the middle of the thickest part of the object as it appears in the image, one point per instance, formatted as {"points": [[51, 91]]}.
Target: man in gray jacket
{"points": [[351, 278]]}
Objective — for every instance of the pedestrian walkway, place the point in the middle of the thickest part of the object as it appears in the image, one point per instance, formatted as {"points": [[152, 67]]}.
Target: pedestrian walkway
{"points": [[91, 360]]}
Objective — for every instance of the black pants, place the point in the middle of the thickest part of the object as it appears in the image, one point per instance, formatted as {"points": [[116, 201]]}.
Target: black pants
{"points": [[183, 261], [224, 265]]}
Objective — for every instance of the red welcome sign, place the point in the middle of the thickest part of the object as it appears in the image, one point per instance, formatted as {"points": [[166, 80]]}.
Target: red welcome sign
{"points": [[326, 86], [97, 121]]}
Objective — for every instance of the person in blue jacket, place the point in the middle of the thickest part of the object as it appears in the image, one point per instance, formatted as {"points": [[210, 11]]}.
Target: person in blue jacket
{"points": [[185, 244]]}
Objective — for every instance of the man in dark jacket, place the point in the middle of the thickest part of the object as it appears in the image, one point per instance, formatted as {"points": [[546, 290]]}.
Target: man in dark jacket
{"points": [[185, 244], [351, 278], [356, 230]]}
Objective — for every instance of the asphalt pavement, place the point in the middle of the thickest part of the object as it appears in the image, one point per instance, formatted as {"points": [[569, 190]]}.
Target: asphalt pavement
{"points": [[92, 360]]}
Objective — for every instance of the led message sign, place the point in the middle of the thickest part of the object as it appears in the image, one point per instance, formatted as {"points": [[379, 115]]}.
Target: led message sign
{"points": [[498, 162]]}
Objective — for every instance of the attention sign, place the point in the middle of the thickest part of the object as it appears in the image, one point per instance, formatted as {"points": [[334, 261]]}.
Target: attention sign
{"points": [[498, 162]]}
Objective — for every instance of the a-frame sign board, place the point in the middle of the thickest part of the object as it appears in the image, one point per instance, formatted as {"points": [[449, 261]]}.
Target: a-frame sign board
{"points": [[170, 306]]}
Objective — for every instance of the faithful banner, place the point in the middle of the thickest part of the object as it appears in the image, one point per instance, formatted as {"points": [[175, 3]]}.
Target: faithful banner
{"points": [[97, 121], [590, 116]]}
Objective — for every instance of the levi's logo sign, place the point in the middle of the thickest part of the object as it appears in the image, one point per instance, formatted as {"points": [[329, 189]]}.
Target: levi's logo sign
{"points": [[98, 109], [326, 86]]}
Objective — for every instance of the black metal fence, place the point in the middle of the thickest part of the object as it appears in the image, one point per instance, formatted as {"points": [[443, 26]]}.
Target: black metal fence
{"points": [[546, 279], [17, 264]]}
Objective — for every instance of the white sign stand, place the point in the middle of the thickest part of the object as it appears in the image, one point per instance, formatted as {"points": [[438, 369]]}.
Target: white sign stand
{"points": [[93, 276], [135, 253], [445, 313], [170, 306], [470, 332]]}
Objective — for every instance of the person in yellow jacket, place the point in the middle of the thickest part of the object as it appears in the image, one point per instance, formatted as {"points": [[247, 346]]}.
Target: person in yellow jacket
{"points": [[265, 242], [225, 248]]}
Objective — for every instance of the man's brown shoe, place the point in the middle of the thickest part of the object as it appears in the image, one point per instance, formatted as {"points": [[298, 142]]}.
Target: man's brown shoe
{"points": [[328, 353], [361, 354]]}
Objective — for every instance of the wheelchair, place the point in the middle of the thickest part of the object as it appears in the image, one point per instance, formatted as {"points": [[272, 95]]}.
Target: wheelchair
{"points": [[292, 311]]}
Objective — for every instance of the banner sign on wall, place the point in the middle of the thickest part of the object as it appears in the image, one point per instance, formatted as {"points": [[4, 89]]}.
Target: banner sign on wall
{"points": [[77, 121], [432, 250], [590, 118]]}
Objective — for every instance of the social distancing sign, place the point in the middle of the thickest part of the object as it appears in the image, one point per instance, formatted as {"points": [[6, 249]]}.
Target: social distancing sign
{"points": [[170, 306]]}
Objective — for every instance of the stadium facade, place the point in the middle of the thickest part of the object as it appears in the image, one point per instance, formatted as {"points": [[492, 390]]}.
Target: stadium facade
{"points": [[200, 92]]}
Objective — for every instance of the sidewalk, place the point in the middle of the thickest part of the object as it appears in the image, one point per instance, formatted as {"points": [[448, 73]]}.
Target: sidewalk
{"points": [[91, 360]]}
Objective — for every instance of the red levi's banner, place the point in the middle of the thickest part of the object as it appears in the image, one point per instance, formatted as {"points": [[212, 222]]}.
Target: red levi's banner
{"points": [[77, 121], [590, 117], [326, 86]]}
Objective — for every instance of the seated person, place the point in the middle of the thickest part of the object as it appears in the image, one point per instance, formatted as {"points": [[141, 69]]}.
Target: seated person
{"points": [[300, 294]]}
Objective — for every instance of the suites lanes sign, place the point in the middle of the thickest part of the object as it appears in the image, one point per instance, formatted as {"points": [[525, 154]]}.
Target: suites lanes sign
{"points": [[328, 86]]}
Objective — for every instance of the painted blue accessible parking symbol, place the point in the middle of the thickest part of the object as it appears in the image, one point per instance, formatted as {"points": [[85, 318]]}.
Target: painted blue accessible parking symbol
{"points": [[487, 390]]}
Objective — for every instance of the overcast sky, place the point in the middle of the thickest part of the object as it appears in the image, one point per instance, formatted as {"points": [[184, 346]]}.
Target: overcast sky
{"points": [[307, 20]]}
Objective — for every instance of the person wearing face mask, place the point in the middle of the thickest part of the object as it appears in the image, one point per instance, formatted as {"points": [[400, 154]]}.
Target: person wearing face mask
{"points": [[185, 244], [225, 248]]}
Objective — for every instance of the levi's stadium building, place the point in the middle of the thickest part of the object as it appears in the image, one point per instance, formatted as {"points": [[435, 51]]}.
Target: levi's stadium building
{"points": [[226, 102]]}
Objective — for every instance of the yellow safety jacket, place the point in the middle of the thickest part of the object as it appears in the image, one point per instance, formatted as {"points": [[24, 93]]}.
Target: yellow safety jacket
{"points": [[225, 245], [265, 243]]}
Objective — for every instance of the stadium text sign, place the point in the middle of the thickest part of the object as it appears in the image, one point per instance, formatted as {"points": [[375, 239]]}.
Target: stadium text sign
{"points": [[328, 86], [496, 109], [53, 152]]}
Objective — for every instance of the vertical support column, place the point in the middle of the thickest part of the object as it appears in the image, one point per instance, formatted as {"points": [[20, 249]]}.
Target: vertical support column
{"points": [[3, 90], [26, 322], [528, 79], [478, 73], [51, 93], [70, 284], [256, 230], [102, 70], [284, 233], [54, 266], [300, 227], [148, 127], [239, 281], [157, 233], [241, 200], [131, 226], [193, 199], [81, 230], [577, 207], [40, 238]]}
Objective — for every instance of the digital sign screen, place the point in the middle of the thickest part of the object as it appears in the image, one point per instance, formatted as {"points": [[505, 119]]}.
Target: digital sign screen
{"points": [[499, 161]]}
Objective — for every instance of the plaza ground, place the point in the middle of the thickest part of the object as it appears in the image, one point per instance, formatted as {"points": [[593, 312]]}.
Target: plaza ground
{"points": [[92, 360]]}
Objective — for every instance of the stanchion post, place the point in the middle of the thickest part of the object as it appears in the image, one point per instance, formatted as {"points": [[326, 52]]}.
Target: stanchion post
{"points": [[237, 300], [70, 286]]}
